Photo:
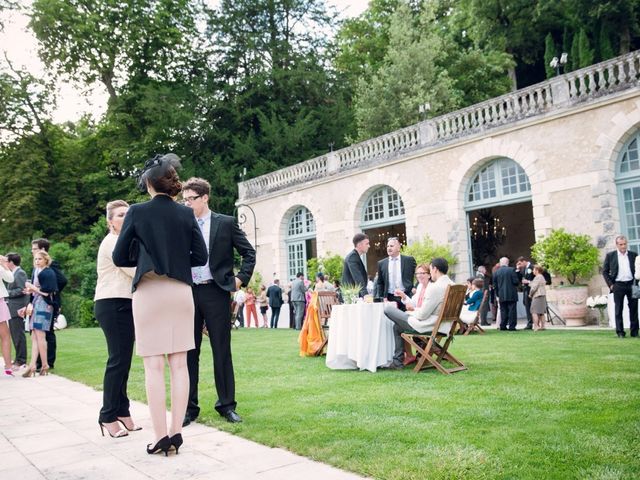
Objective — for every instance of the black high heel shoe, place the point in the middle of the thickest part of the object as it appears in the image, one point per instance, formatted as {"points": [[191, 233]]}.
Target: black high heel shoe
{"points": [[163, 445], [135, 427], [176, 441], [119, 433]]}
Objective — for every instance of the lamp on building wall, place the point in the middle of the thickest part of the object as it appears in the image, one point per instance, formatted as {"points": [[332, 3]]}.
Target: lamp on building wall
{"points": [[557, 63], [242, 219]]}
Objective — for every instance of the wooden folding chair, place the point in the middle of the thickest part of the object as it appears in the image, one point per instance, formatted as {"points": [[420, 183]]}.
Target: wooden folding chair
{"points": [[430, 349], [475, 325], [326, 300]]}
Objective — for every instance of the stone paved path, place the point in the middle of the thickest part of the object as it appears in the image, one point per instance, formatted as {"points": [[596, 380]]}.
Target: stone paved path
{"points": [[48, 430]]}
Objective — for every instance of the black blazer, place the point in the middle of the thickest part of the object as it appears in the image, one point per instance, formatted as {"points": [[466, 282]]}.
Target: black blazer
{"points": [[505, 282], [274, 292], [224, 237], [408, 267], [526, 275], [610, 269], [354, 273], [169, 239]]}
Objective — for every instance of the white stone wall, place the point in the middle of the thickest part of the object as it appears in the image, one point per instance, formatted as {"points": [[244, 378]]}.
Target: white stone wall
{"points": [[569, 156]]}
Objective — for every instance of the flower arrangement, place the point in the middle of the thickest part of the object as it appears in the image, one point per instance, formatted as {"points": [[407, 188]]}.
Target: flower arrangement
{"points": [[599, 302], [350, 293]]}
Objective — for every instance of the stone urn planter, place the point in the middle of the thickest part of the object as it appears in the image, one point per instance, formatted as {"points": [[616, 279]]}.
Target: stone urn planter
{"points": [[572, 303]]}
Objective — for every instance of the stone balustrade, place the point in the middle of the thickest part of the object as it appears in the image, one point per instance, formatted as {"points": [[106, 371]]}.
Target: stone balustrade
{"points": [[563, 91]]}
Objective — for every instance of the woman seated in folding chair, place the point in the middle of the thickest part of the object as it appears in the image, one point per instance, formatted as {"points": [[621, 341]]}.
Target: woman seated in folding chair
{"points": [[422, 315], [472, 304]]}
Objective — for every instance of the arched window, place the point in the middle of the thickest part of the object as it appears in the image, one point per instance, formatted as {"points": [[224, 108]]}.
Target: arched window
{"points": [[501, 181], [628, 182], [300, 241], [383, 207]]}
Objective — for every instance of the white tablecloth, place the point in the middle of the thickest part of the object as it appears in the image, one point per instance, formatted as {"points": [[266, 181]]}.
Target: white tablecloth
{"points": [[360, 336]]}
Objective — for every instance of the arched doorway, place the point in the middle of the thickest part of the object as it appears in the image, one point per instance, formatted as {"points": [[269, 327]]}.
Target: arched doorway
{"points": [[382, 217], [499, 213], [628, 185], [300, 241]]}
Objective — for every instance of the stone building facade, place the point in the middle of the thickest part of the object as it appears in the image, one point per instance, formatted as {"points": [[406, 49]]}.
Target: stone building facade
{"points": [[562, 153]]}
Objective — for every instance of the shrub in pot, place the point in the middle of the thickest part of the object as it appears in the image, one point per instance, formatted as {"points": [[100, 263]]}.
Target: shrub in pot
{"points": [[573, 257]]}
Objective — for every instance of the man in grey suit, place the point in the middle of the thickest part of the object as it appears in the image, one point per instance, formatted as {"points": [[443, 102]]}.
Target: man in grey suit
{"points": [[16, 301], [298, 298], [354, 271], [506, 283]]}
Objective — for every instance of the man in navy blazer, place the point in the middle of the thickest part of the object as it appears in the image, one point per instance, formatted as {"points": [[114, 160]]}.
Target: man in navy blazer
{"points": [[399, 276], [353, 270], [213, 285], [618, 271], [506, 281]]}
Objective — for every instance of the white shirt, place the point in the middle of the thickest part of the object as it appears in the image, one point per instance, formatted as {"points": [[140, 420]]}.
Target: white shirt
{"points": [[205, 228], [395, 274], [624, 268]]}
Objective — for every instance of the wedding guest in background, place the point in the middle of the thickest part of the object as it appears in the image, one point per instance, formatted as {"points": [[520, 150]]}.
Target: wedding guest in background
{"points": [[297, 296], [338, 290], [263, 305], [5, 315], [40, 310], [618, 271], [538, 296], [472, 302], [162, 239], [274, 292], [322, 284], [250, 303], [113, 312], [61, 281], [17, 300]]}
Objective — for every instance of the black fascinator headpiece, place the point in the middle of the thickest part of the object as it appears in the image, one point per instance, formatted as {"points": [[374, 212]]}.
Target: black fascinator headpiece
{"points": [[155, 168]]}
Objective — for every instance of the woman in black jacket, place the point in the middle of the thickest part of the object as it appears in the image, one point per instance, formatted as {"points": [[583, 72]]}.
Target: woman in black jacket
{"points": [[162, 239]]}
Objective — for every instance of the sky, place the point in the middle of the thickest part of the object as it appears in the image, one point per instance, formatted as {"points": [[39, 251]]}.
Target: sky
{"points": [[74, 99]]}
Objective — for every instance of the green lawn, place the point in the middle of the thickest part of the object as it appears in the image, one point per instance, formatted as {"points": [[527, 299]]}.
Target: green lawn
{"points": [[554, 404]]}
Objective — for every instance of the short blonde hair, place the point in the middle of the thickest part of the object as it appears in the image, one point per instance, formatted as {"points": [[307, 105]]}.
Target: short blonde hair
{"points": [[44, 254], [111, 207]]}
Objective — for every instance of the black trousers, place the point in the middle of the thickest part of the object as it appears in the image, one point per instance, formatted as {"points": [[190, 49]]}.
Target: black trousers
{"points": [[527, 306], [212, 309], [275, 316], [16, 326], [392, 298], [292, 315], [116, 320], [621, 290], [508, 315]]}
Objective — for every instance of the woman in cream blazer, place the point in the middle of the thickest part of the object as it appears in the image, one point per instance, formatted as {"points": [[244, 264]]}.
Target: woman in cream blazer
{"points": [[115, 316]]}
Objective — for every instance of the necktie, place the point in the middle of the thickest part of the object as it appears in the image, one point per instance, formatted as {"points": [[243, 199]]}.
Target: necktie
{"points": [[198, 274]]}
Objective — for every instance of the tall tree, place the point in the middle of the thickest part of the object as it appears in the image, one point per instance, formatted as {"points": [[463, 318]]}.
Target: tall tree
{"points": [[426, 64], [111, 41], [273, 98]]}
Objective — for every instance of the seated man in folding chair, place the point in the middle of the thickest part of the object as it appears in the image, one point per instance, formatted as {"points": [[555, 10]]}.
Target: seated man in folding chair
{"points": [[425, 314]]}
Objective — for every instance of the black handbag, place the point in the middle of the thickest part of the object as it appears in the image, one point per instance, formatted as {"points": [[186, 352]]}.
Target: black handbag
{"points": [[635, 290]]}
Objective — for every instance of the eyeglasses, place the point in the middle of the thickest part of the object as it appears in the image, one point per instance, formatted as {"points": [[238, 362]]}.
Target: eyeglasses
{"points": [[191, 199], [422, 273]]}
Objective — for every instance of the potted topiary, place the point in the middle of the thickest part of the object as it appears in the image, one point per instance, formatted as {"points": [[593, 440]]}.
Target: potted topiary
{"points": [[573, 257]]}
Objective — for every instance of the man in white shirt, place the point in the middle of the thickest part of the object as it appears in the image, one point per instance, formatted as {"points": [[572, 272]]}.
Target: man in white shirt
{"points": [[424, 317], [395, 272], [618, 272]]}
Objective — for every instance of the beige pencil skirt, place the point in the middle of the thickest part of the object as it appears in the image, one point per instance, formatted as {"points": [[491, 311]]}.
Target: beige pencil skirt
{"points": [[162, 316]]}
